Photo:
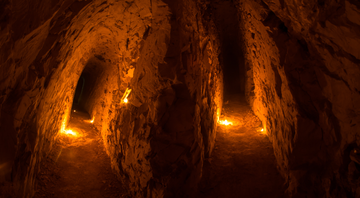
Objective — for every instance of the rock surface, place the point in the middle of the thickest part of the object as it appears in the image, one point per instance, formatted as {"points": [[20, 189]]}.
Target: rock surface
{"points": [[301, 60], [303, 67], [78, 165], [164, 54], [243, 162]]}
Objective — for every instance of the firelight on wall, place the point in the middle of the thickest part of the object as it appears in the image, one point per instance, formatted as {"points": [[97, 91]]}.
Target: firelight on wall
{"points": [[124, 99]]}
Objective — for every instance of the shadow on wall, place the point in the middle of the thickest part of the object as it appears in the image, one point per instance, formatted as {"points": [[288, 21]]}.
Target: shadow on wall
{"points": [[232, 55], [79, 90], [87, 84]]}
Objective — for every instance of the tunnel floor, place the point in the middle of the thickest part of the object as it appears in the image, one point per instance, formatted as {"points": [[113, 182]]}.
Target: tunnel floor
{"points": [[242, 163], [78, 166]]}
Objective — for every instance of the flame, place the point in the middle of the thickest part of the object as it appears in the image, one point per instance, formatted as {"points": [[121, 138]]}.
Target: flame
{"points": [[90, 121], [65, 131], [225, 122], [74, 110], [125, 96], [70, 132], [262, 130]]}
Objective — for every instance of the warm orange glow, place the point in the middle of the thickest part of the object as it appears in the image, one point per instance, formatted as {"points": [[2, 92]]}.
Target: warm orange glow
{"points": [[67, 132], [74, 110], [124, 99], [262, 131], [70, 132], [225, 122], [91, 121]]}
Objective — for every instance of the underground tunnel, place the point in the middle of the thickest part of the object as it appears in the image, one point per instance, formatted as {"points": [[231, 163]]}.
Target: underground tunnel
{"points": [[180, 98]]}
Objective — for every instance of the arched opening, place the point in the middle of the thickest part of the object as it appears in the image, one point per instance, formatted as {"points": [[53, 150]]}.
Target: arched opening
{"points": [[87, 89], [78, 162]]}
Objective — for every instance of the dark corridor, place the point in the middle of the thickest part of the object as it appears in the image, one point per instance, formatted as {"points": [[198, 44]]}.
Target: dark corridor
{"points": [[231, 57]]}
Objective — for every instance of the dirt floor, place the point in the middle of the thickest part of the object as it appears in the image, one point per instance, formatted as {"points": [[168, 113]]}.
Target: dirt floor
{"points": [[242, 164], [78, 166]]}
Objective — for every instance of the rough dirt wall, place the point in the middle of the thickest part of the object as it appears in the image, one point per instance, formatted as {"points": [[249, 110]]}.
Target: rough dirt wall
{"points": [[44, 48], [156, 142], [29, 52], [303, 67]]}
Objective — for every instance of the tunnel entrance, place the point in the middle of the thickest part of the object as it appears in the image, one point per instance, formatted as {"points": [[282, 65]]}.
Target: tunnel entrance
{"points": [[242, 161], [79, 90], [87, 85], [78, 165], [232, 56]]}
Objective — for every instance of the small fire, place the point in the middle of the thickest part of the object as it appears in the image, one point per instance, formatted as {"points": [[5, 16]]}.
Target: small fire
{"points": [[70, 132], [124, 99], [64, 131], [91, 121], [262, 130], [225, 122]]}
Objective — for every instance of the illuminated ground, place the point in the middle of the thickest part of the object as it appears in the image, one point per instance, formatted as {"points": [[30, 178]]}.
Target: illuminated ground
{"points": [[242, 163], [78, 166]]}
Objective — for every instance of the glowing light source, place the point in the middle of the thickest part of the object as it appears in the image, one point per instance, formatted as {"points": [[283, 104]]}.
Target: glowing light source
{"points": [[74, 110], [225, 122], [67, 132], [262, 130], [70, 132], [90, 121], [125, 96]]}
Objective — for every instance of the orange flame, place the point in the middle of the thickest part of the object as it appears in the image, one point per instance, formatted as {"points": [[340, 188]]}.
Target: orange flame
{"points": [[70, 132], [225, 122], [91, 121], [262, 130], [125, 96]]}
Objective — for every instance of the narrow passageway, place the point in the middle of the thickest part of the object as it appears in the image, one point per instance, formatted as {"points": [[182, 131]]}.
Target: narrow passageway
{"points": [[78, 166], [243, 162]]}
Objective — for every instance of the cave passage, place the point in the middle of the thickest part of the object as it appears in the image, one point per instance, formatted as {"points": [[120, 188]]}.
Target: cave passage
{"points": [[232, 56], [242, 163], [86, 86], [78, 165], [226, 96]]}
